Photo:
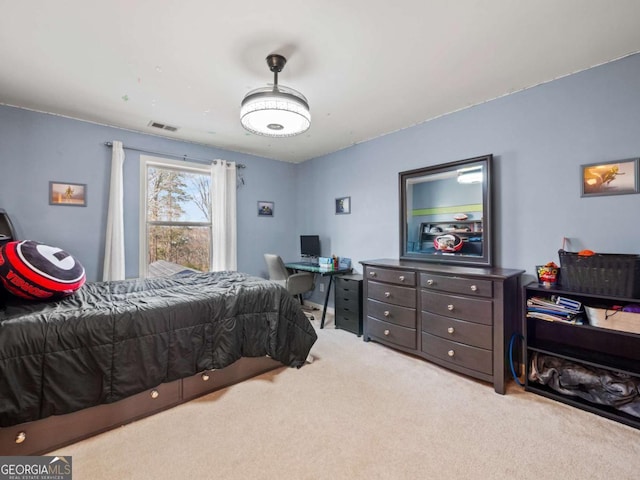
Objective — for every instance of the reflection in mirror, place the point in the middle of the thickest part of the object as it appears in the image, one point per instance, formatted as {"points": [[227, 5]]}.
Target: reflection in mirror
{"points": [[446, 213]]}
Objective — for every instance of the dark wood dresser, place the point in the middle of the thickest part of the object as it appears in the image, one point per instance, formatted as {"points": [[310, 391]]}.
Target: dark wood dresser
{"points": [[348, 303], [461, 318]]}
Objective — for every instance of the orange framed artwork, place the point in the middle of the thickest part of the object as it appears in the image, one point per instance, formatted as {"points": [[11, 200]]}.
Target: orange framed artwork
{"points": [[68, 194], [612, 178]]}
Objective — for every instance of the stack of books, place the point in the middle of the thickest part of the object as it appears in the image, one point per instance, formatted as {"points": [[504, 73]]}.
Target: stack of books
{"points": [[555, 309]]}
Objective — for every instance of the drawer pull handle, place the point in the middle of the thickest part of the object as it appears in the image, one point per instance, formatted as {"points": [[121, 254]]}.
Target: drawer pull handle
{"points": [[205, 376], [155, 394], [387, 294], [387, 313], [401, 278], [450, 307], [429, 282], [450, 330], [373, 274], [21, 437], [473, 288], [451, 353], [386, 332]]}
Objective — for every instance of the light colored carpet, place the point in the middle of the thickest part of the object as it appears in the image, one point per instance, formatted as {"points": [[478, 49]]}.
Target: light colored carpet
{"points": [[363, 411]]}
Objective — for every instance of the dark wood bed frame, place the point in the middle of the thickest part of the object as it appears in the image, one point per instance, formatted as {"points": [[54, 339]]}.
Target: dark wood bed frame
{"points": [[42, 436]]}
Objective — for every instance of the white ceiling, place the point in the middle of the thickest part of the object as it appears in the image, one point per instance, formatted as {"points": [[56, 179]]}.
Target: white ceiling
{"points": [[367, 67]]}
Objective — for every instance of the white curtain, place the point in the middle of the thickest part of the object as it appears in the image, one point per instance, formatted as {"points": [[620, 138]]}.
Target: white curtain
{"points": [[114, 244], [223, 210]]}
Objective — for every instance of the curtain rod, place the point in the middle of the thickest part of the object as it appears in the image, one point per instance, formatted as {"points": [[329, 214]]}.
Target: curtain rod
{"points": [[184, 157]]}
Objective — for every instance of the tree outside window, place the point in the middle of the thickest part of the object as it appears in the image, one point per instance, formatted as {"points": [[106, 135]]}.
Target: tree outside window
{"points": [[178, 214]]}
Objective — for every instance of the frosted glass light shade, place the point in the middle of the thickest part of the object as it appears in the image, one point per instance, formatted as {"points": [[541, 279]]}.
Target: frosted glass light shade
{"points": [[470, 177], [470, 174], [275, 112]]}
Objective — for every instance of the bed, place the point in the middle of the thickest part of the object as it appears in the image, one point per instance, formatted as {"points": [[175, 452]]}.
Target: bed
{"points": [[117, 351]]}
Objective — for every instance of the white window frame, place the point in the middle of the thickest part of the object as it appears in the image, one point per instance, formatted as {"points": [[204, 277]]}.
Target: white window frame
{"points": [[147, 161]]}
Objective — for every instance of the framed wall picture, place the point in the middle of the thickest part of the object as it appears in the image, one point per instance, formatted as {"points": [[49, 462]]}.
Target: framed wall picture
{"points": [[343, 205], [613, 178], [265, 209], [68, 194]]}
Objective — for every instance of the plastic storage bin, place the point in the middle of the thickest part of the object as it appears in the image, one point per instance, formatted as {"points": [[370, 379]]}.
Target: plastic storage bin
{"points": [[613, 319]]}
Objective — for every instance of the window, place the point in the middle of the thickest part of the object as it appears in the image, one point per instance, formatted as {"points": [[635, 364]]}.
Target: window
{"points": [[175, 215]]}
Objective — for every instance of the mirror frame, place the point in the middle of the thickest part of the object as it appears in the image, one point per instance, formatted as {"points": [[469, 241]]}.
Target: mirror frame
{"points": [[484, 260]]}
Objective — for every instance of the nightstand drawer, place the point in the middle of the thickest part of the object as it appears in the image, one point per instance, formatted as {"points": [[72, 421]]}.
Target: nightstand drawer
{"points": [[347, 304], [465, 308], [459, 354], [403, 296], [349, 321], [474, 334], [348, 284], [403, 316], [467, 286], [405, 337], [347, 294], [348, 314]]}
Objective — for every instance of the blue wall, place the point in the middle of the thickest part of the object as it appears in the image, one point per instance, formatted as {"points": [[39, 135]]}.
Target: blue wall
{"points": [[36, 148], [539, 138]]}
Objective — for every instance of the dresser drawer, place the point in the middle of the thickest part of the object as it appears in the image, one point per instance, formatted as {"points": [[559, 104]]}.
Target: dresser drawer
{"points": [[403, 316], [398, 277], [466, 286], [404, 337], [474, 334], [465, 308], [403, 296], [473, 358]]}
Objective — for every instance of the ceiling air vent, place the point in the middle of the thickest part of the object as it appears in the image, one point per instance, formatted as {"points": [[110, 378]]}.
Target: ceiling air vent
{"points": [[162, 126]]}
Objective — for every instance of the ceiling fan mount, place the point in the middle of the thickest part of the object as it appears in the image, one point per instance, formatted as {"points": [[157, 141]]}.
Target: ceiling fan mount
{"points": [[276, 62]]}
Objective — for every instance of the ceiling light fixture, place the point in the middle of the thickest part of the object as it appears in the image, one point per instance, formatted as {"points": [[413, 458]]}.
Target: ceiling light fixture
{"points": [[276, 111], [470, 175]]}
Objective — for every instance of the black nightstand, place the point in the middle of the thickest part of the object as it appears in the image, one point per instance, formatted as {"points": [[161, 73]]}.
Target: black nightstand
{"points": [[348, 303]]}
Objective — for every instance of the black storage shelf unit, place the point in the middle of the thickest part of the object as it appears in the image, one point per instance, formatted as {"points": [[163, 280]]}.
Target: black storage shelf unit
{"points": [[348, 303], [586, 357], [612, 350], [580, 296], [568, 345], [602, 410]]}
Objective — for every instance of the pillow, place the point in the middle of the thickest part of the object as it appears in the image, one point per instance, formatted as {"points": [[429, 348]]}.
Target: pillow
{"points": [[36, 271]]}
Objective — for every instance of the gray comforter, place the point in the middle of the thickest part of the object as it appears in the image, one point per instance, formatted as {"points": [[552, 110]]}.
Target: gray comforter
{"points": [[111, 340]]}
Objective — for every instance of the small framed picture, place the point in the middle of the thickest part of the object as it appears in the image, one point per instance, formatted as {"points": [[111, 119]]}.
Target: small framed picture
{"points": [[614, 178], [343, 205], [265, 209], [68, 194]]}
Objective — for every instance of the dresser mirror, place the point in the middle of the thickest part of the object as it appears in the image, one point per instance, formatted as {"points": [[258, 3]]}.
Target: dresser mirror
{"points": [[446, 213]]}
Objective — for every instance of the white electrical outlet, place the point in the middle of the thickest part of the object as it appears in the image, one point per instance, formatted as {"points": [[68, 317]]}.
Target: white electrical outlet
{"points": [[321, 287]]}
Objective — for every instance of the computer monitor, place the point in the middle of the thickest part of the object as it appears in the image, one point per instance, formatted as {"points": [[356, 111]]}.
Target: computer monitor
{"points": [[310, 245]]}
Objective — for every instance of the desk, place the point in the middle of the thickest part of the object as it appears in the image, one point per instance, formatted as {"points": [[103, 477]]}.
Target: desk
{"points": [[305, 267]]}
